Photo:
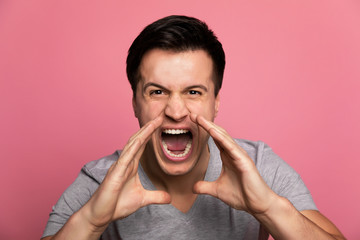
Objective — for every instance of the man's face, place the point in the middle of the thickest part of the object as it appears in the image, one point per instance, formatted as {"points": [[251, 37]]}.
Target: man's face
{"points": [[175, 84]]}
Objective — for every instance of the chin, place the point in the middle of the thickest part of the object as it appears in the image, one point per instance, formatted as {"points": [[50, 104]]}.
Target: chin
{"points": [[177, 169]]}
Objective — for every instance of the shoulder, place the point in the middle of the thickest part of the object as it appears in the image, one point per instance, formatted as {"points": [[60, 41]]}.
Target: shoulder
{"points": [[262, 154], [257, 150], [277, 174], [97, 169], [90, 177], [274, 170]]}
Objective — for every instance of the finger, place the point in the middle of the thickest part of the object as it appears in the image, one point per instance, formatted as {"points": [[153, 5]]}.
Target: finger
{"points": [[136, 145], [204, 187], [156, 197], [221, 138], [206, 127], [206, 124], [210, 126], [125, 158], [145, 132], [219, 134]]}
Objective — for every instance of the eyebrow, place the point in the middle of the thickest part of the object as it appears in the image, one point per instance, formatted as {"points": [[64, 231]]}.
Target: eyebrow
{"points": [[197, 86], [149, 84]]}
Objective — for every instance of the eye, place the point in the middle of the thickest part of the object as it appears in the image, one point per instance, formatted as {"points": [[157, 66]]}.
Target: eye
{"points": [[194, 92], [156, 92]]}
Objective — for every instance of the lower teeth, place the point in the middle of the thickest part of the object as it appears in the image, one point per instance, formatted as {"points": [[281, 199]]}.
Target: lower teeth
{"points": [[186, 151]]}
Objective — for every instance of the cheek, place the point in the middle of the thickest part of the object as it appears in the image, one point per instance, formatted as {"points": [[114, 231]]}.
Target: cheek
{"points": [[151, 110], [205, 109]]}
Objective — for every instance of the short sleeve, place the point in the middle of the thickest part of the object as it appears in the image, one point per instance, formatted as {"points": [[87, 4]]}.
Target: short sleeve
{"points": [[79, 192], [283, 179], [74, 197]]}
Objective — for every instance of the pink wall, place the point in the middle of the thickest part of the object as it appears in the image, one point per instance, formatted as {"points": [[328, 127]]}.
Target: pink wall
{"points": [[292, 80]]}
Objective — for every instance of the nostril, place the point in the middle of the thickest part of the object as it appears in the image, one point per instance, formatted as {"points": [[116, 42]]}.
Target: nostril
{"points": [[176, 109]]}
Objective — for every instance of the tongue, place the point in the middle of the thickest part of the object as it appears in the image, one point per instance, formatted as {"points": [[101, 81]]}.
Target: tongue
{"points": [[176, 142]]}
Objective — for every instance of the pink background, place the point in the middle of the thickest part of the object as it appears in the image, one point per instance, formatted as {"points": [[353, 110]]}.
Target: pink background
{"points": [[292, 80]]}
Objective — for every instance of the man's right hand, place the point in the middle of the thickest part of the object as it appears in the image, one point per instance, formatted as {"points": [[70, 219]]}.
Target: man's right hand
{"points": [[121, 192], [119, 195]]}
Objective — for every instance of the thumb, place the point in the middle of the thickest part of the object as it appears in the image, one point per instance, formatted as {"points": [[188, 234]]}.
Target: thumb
{"points": [[156, 197], [204, 187]]}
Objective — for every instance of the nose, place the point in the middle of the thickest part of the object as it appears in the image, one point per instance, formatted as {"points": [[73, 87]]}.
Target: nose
{"points": [[176, 108]]}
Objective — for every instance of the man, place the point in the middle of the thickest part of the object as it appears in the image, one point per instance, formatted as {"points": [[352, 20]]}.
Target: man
{"points": [[181, 176]]}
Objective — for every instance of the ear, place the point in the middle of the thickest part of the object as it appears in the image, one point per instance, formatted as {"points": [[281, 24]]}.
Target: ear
{"points": [[134, 105], [217, 103]]}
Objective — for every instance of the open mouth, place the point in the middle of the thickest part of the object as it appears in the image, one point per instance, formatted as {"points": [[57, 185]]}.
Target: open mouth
{"points": [[176, 143]]}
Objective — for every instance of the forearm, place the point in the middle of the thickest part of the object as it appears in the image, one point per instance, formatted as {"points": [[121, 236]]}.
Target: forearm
{"points": [[78, 228], [283, 221]]}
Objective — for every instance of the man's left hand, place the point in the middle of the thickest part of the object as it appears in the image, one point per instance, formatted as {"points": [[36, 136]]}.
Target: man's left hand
{"points": [[239, 184]]}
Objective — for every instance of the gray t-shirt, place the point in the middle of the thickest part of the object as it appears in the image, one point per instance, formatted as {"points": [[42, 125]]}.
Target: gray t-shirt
{"points": [[209, 218]]}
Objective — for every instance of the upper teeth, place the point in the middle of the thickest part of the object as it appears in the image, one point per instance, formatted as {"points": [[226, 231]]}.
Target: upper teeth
{"points": [[175, 131]]}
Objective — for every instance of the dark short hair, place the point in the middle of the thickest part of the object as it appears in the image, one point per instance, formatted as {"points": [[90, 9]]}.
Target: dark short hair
{"points": [[176, 33]]}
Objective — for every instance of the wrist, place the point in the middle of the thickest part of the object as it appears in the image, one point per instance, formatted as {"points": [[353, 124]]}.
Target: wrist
{"points": [[89, 229], [94, 225], [278, 218], [77, 228], [278, 209]]}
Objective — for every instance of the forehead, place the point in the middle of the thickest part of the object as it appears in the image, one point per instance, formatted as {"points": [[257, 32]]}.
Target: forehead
{"points": [[169, 67]]}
